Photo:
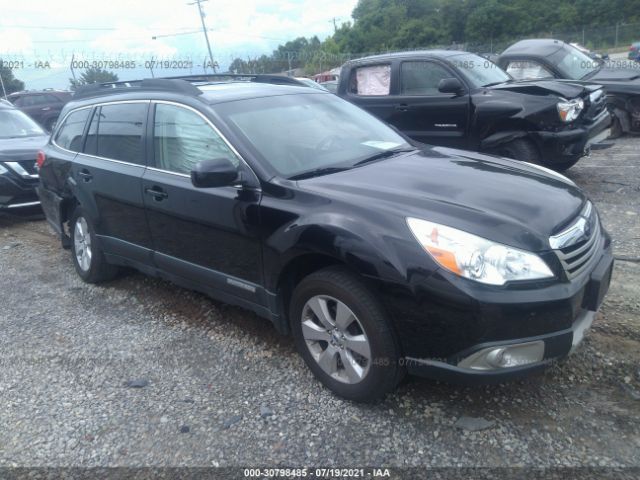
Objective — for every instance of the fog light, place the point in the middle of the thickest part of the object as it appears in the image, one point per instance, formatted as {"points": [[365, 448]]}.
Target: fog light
{"points": [[505, 356]]}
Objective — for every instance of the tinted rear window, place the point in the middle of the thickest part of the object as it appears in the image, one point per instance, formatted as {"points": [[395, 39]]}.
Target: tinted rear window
{"points": [[70, 134], [116, 132]]}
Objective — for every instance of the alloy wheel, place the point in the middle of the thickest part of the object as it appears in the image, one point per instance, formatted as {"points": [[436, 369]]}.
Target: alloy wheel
{"points": [[335, 338], [82, 244]]}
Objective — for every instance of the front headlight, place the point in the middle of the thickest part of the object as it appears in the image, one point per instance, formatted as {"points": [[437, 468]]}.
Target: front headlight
{"points": [[569, 110], [3, 169], [475, 257]]}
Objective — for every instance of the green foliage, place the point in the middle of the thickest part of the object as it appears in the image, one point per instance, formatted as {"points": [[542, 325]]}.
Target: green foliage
{"points": [[93, 75], [383, 25], [11, 84]]}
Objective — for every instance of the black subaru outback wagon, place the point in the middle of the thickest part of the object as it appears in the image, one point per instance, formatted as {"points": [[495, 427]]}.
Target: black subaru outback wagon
{"points": [[379, 256]]}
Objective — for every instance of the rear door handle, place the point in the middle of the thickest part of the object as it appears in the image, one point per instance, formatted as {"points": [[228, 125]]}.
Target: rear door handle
{"points": [[157, 193], [85, 175], [402, 107]]}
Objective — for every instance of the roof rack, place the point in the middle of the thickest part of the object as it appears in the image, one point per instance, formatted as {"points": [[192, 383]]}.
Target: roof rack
{"points": [[158, 84], [181, 84], [240, 77]]}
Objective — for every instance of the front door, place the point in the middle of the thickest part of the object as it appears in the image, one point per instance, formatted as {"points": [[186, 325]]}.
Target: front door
{"points": [[203, 235], [424, 113]]}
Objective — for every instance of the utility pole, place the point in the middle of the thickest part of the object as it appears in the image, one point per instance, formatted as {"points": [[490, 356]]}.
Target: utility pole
{"points": [[204, 29]]}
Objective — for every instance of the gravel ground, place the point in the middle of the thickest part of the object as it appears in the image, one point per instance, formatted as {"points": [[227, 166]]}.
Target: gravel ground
{"points": [[138, 372]]}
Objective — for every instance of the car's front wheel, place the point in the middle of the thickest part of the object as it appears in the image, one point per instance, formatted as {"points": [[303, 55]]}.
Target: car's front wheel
{"points": [[87, 255], [342, 332]]}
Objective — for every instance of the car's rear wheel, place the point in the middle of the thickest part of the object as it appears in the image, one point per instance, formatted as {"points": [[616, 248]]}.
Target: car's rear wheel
{"points": [[87, 255], [342, 332]]}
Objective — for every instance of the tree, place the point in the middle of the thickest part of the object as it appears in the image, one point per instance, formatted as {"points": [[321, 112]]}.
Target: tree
{"points": [[93, 75], [11, 84]]}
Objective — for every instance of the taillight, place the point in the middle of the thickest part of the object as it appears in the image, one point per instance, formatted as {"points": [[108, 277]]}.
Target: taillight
{"points": [[40, 158]]}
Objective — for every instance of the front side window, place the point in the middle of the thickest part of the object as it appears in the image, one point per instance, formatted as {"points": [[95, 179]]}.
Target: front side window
{"points": [[371, 80], [421, 78], [479, 71], [116, 132], [69, 135], [527, 70], [182, 138]]}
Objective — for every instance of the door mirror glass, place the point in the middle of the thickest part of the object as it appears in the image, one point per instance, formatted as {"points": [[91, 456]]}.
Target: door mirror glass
{"points": [[217, 172], [450, 85]]}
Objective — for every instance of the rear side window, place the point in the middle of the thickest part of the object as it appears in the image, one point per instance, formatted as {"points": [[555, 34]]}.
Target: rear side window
{"points": [[371, 80], [421, 78], [70, 134], [115, 132], [182, 138]]}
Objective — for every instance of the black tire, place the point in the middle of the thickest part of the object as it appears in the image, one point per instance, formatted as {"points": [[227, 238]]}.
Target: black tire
{"points": [[518, 149], [384, 369], [616, 126], [97, 269], [562, 166]]}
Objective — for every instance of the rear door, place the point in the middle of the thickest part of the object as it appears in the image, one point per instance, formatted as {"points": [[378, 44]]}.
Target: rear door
{"points": [[108, 177], [369, 87], [208, 236], [424, 113]]}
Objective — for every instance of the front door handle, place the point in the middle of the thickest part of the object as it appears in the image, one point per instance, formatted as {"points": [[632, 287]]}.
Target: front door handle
{"points": [[85, 175], [402, 107], [157, 193]]}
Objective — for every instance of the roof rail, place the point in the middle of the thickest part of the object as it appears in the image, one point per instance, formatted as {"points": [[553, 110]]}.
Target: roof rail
{"points": [[158, 84], [181, 84], [240, 77]]}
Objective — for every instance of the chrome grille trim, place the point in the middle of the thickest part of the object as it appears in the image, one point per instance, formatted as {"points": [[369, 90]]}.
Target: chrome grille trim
{"points": [[575, 261]]}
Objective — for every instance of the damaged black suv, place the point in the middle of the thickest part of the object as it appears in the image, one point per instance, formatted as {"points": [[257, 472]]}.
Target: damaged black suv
{"points": [[461, 100]]}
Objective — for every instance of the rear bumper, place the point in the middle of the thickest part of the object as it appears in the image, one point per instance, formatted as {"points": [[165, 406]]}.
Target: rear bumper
{"points": [[575, 143]]}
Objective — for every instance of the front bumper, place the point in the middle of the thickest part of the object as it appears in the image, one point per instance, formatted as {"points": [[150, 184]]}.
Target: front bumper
{"points": [[444, 336], [571, 144], [16, 193]]}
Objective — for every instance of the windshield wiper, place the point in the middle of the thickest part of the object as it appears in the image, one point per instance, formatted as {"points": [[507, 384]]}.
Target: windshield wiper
{"points": [[318, 172], [385, 154]]}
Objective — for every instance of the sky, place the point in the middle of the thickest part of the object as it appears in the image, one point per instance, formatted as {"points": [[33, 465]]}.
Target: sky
{"points": [[40, 38]]}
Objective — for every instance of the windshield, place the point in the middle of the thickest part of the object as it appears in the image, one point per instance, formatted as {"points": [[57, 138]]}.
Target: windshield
{"points": [[573, 63], [479, 71], [15, 124], [302, 133]]}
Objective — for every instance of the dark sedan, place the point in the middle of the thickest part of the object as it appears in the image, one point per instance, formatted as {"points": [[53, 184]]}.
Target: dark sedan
{"points": [[20, 140], [546, 58]]}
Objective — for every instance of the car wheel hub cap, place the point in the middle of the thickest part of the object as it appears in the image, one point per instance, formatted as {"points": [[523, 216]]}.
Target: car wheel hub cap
{"points": [[336, 339], [82, 244]]}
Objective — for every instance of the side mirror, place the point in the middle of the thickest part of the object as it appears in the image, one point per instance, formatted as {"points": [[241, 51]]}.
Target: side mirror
{"points": [[450, 85], [217, 172]]}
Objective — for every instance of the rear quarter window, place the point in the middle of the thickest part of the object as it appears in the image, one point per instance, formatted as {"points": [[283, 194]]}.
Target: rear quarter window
{"points": [[69, 135]]}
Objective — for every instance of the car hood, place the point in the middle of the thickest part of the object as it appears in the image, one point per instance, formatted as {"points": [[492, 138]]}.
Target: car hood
{"points": [[546, 87], [19, 148], [511, 202]]}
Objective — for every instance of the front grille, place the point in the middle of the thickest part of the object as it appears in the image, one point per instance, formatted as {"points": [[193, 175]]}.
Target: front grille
{"points": [[578, 244], [25, 168]]}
